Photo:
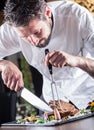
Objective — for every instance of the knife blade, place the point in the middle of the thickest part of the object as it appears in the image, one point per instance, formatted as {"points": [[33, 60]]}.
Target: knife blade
{"points": [[34, 100]]}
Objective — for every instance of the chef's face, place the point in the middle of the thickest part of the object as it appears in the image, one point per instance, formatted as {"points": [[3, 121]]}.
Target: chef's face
{"points": [[37, 32]]}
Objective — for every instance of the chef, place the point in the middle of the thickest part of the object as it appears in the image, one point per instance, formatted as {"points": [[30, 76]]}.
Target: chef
{"points": [[63, 27]]}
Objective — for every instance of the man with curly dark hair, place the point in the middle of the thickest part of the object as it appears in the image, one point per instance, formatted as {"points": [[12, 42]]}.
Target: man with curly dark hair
{"points": [[63, 27]]}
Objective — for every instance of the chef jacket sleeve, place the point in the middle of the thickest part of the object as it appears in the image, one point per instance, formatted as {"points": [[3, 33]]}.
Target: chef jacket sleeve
{"points": [[9, 43], [87, 33]]}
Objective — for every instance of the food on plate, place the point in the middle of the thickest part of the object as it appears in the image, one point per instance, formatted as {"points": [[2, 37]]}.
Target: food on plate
{"points": [[61, 109], [31, 118], [91, 106]]}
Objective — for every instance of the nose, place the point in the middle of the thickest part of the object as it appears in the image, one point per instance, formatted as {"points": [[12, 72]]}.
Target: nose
{"points": [[33, 39]]}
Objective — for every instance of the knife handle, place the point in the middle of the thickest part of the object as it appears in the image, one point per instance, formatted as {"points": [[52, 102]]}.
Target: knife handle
{"points": [[49, 66]]}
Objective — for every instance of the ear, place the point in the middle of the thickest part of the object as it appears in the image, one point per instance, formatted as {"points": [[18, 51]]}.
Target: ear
{"points": [[48, 12]]}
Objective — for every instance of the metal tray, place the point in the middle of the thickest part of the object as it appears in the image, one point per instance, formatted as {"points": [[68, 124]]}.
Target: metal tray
{"points": [[51, 123]]}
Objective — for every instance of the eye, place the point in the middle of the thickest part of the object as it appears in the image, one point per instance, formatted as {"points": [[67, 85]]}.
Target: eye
{"points": [[37, 33]]}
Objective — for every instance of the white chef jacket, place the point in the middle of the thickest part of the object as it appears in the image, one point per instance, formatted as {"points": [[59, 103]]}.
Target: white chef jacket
{"points": [[73, 32]]}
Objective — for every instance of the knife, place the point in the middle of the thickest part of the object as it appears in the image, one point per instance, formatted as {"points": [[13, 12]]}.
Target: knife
{"points": [[34, 100]]}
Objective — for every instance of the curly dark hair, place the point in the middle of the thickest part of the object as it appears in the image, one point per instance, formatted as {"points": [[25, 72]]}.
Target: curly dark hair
{"points": [[20, 12]]}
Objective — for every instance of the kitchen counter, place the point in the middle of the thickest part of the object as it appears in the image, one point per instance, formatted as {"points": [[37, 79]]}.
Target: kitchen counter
{"points": [[83, 124]]}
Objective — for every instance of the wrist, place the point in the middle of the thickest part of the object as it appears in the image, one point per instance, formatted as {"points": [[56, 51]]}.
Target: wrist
{"points": [[81, 62], [3, 64]]}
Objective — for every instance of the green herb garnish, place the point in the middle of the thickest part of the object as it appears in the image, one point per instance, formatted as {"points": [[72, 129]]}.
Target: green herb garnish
{"points": [[40, 121]]}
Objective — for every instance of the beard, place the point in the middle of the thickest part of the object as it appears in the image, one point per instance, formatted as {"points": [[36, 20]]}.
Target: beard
{"points": [[44, 42]]}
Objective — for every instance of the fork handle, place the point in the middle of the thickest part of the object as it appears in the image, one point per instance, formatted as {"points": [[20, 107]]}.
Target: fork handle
{"points": [[49, 66]]}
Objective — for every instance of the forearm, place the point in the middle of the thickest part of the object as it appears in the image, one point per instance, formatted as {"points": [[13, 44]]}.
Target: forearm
{"points": [[87, 65], [61, 59]]}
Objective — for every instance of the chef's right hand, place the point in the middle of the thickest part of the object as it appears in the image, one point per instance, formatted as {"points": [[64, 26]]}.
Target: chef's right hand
{"points": [[11, 75], [60, 59]]}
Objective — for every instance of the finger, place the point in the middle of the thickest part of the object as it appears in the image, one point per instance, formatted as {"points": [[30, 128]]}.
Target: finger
{"points": [[47, 57], [4, 78], [56, 61], [61, 62], [12, 84], [51, 54], [18, 86], [9, 82], [53, 57]]}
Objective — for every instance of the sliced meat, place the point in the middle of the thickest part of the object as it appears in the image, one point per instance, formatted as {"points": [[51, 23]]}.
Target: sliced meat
{"points": [[64, 108], [57, 114]]}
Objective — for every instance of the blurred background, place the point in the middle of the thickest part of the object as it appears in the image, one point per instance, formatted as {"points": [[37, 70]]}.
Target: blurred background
{"points": [[13, 107]]}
